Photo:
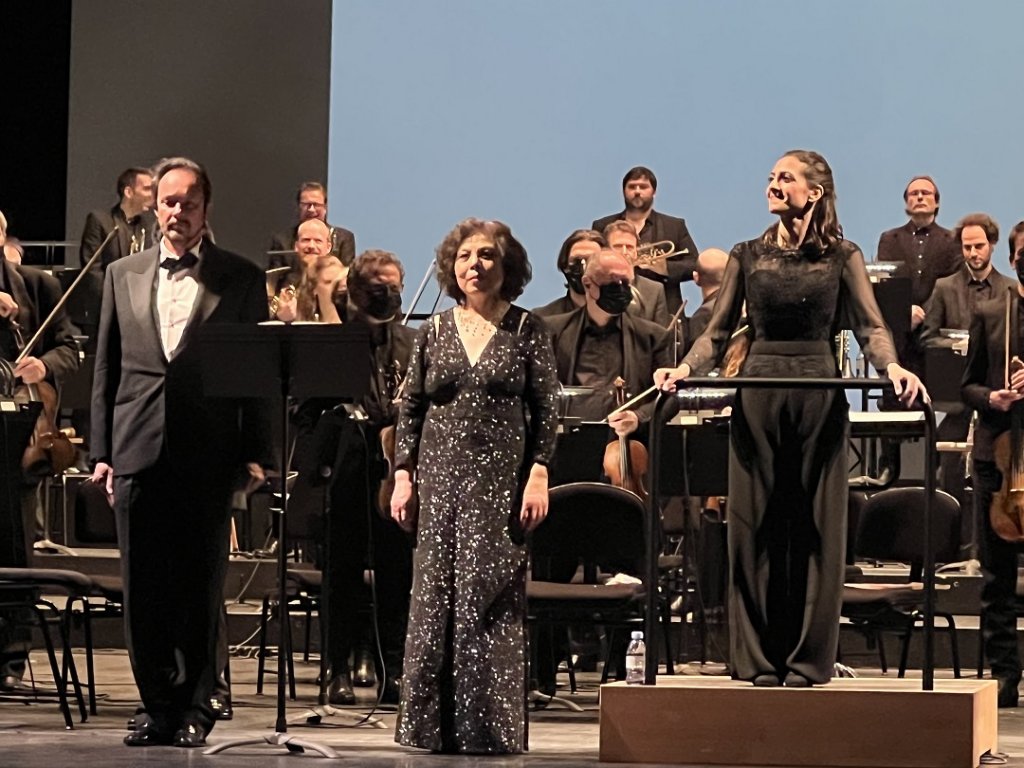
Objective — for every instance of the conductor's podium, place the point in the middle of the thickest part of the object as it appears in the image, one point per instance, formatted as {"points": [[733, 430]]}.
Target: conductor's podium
{"points": [[857, 723]]}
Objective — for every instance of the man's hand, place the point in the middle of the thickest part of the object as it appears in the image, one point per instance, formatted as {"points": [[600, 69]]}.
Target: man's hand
{"points": [[256, 477], [1017, 380], [1003, 399], [624, 423], [31, 370], [8, 306], [104, 475], [916, 316]]}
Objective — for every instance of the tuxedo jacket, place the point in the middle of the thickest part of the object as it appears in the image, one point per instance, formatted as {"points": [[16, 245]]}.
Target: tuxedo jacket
{"points": [[648, 303], [645, 347], [948, 307], [98, 224], [146, 408], [661, 226], [985, 369], [36, 294]]}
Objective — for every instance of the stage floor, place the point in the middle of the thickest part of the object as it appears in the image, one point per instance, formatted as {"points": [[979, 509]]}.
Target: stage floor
{"points": [[32, 735]]}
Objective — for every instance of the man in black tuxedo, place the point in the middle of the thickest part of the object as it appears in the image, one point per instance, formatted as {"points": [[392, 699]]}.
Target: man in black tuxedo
{"points": [[27, 297], [639, 187], [990, 390], [171, 457], [311, 202], [132, 215]]}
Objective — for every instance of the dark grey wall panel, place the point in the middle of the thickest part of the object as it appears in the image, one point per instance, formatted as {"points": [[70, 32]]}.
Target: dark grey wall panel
{"points": [[242, 87]]}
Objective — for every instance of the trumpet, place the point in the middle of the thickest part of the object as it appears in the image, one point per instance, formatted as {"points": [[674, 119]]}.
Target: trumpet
{"points": [[651, 253]]}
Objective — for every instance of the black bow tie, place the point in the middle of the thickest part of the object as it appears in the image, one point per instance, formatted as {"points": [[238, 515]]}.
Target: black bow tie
{"points": [[173, 265]]}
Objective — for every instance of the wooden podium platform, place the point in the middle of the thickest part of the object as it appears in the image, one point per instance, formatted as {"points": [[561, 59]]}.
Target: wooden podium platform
{"points": [[858, 723]]}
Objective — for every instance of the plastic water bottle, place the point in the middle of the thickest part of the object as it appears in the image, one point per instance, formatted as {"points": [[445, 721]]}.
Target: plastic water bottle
{"points": [[635, 654]]}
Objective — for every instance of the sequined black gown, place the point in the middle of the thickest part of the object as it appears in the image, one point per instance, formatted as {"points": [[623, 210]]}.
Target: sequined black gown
{"points": [[788, 466], [471, 432]]}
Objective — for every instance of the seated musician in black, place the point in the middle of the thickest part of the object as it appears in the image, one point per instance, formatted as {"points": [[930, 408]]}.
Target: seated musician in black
{"points": [[350, 453], [594, 345], [27, 297], [985, 389]]}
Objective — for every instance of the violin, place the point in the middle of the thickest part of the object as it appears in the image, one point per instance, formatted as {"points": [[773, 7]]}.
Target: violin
{"points": [[625, 460]]}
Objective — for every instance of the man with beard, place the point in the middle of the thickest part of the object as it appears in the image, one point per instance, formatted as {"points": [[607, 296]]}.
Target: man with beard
{"points": [[994, 392], [639, 187], [351, 454], [925, 252], [952, 305]]}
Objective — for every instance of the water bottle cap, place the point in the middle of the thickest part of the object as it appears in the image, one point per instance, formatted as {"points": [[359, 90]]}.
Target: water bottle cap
{"points": [[637, 635]]}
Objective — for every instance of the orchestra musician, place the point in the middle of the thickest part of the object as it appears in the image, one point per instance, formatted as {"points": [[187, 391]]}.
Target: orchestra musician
{"points": [[311, 203], [952, 305], [351, 454], [169, 456], [788, 464], [315, 289], [27, 297], [989, 390], [649, 296], [708, 277], [925, 251], [639, 187], [601, 341]]}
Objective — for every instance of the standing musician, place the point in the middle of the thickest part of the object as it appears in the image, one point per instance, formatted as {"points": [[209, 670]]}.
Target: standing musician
{"points": [[639, 187], [171, 457], [952, 305], [27, 297], [994, 392], [351, 454]]}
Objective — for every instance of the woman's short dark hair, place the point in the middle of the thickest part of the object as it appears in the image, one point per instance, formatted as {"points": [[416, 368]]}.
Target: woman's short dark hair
{"points": [[514, 261], [579, 236], [169, 164]]}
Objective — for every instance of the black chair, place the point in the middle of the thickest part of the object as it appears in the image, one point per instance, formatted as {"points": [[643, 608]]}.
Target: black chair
{"points": [[303, 593], [596, 524], [891, 529]]}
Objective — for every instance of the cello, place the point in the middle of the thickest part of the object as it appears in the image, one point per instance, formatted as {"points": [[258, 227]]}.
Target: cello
{"points": [[1006, 512]]}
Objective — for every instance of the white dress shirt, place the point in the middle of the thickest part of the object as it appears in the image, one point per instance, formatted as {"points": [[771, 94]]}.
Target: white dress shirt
{"points": [[175, 296]]}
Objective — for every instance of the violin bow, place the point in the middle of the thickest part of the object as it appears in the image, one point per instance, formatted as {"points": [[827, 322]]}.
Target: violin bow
{"points": [[43, 326]]}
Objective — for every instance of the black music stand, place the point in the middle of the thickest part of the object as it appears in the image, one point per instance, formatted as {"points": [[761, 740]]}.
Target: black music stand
{"points": [[278, 361], [579, 453], [17, 425], [893, 297]]}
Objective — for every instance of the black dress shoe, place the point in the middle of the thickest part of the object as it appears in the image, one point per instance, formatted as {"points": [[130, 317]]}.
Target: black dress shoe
{"points": [[13, 684], [796, 680], [148, 734], [340, 692], [364, 676], [1008, 695], [221, 706], [190, 734]]}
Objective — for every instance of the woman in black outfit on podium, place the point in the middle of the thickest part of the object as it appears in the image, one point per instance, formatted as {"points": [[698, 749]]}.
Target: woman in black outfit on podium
{"points": [[788, 465]]}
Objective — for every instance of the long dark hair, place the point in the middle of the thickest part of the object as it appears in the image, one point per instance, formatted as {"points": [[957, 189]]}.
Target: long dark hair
{"points": [[824, 229]]}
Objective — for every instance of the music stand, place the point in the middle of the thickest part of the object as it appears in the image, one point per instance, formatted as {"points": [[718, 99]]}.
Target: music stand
{"points": [[17, 423], [893, 297], [278, 361]]}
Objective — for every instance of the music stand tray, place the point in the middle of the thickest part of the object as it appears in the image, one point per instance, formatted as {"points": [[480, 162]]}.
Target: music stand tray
{"points": [[277, 362]]}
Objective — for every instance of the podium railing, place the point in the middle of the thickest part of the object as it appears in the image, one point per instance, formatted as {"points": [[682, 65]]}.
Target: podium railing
{"points": [[665, 401]]}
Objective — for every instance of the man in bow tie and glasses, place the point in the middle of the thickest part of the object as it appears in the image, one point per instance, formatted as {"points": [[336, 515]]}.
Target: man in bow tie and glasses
{"points": [[169, 456]]}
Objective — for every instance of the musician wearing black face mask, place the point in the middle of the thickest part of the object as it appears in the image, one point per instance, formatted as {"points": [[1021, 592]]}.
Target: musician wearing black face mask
{"points": [[601, 341], [350, 454], [994, 393]]}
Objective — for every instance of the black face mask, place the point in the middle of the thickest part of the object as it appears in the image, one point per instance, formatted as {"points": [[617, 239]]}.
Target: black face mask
{"points": [[574, 276], [615, 298], [381, 301], [1019, 267]]}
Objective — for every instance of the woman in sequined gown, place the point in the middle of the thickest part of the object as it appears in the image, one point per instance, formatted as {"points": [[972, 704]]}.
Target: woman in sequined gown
{"points": [[802, 283], [475, 432]]}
